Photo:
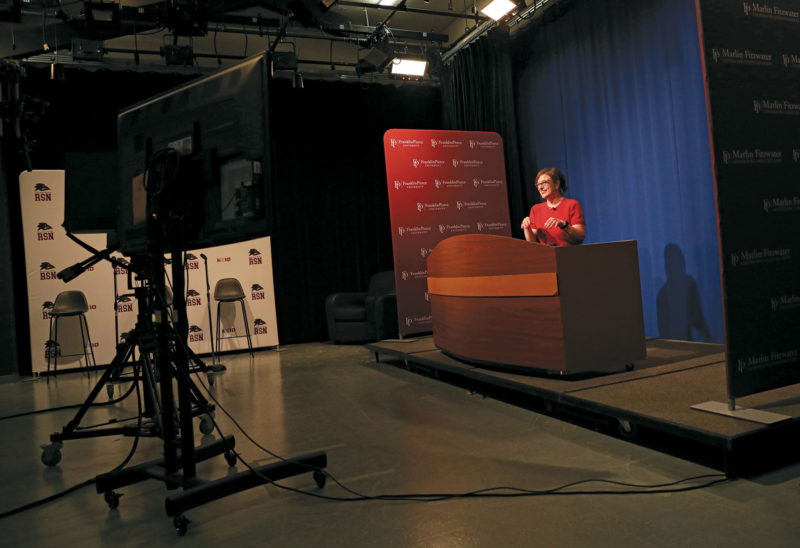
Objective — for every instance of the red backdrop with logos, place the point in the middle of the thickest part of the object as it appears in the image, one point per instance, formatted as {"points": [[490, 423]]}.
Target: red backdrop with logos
{"points": [[441, 183]]}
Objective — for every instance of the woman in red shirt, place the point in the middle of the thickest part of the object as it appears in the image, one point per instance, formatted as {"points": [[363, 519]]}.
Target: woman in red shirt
{"points": [[557, 220]]}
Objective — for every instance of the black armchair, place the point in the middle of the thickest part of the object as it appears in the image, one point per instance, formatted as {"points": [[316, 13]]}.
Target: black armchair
{"points": [[369, 315]]}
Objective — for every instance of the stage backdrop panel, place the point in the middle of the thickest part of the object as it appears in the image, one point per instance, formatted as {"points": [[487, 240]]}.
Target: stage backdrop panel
{"points": [[752, 67], [47, 251], [112, 308], [441, 184]]}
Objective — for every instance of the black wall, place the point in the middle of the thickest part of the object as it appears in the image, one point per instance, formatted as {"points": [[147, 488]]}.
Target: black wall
{"points": [[331, 208]]}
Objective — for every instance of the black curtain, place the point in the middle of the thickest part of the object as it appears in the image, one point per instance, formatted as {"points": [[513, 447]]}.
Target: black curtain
{"points": [[478, 95], [79, 114], [332, 229]]}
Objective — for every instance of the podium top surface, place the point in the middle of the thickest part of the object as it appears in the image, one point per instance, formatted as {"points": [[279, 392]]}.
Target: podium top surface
{"points": [[488, 255]]}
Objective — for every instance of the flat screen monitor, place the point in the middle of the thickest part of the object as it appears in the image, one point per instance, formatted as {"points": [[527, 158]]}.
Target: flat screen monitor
{"points": [[215, 130]]}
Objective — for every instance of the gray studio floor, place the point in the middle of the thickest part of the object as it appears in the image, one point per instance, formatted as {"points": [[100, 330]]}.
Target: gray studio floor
{"points": [[386, 431]]}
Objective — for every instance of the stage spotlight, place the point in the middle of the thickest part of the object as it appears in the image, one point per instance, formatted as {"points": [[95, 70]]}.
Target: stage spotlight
{"points": [[187, 17], [87, 50], [11, 10], [100, 16], [408, 67], [387, 3], [497, 9], [178, 55], [377, 57], [327, 4], [284, 60]]}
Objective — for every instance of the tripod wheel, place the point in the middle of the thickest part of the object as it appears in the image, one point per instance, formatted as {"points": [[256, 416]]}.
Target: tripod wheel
{"points": [[181, 524], [320, 478], [51, 457], [112, 499], [206, 425]]}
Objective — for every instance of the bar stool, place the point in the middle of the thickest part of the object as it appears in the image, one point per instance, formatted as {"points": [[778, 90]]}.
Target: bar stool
{"points": [[69, 303], [229, 290]]}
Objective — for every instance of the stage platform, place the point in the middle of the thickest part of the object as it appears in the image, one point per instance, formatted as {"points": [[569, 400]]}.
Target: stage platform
{"points": [[649, 404]]}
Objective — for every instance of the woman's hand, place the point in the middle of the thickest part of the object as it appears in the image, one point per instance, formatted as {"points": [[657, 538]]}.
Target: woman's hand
{"points": [[528, 230], [552, 223]]}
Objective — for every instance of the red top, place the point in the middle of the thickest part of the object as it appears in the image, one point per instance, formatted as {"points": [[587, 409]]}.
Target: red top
{"points": [[567, 210]]}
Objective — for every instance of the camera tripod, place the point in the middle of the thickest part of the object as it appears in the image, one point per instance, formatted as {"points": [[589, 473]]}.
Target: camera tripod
{"points": [[163, 368]]}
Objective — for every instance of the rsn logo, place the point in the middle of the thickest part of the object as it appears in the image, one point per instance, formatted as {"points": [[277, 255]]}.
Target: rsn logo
{"points": [[195, 333], [191, 262], [44, 232], [118, 270], [124, 304], [193, 298], [257, 293], [47, 307], [259, 327], [41, 193], [51, 349], [47, 271], [255, 257]]}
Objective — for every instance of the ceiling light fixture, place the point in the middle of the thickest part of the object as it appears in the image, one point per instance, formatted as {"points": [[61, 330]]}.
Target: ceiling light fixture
{"points": [[497, 9], [408, 67]]}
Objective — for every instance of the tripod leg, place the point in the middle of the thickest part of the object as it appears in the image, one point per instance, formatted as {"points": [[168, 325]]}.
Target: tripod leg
{"points": [[119, 361]]}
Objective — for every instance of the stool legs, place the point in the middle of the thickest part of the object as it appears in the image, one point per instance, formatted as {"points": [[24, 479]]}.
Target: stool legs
{"points": [[246, 327], [54, 347], [85, 325], [219, 304]]}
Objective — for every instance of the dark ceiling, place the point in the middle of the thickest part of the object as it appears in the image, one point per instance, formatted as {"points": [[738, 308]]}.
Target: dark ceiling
{"points": [[345, 39]]}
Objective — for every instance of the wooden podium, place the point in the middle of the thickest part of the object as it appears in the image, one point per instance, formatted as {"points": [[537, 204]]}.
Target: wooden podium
{"points": [[498, 301]]}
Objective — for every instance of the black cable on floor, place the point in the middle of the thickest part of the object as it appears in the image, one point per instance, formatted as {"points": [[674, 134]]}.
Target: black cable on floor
{"points": [[71, 406], [491, 492], [92, 481]]}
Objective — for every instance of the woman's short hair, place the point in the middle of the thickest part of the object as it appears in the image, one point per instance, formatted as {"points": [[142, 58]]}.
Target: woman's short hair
{"points": [[555, 174]]}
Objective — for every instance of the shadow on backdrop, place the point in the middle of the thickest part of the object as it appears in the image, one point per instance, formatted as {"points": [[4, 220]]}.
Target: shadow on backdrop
{"points": [[680, 313]]}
